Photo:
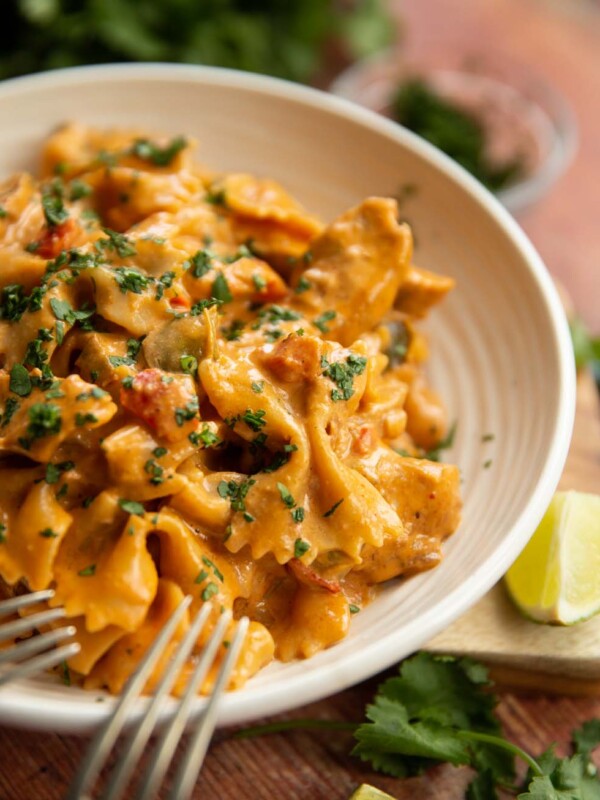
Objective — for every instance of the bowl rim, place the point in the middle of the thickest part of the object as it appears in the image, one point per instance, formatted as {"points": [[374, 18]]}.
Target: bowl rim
{"points": [[17, 708]]}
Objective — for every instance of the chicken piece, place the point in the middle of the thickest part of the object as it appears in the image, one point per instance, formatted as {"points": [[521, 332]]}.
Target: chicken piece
{"points": [[358, 264], [420, 290], [295, 359], [167, 404], [426, 497]]}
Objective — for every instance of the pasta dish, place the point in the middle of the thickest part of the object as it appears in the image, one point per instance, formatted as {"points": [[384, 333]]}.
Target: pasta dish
{"points": [[207, 391]]}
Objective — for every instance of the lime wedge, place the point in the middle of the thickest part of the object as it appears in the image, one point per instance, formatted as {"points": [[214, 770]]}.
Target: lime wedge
{"points": [[556, 579], [366, 792]]}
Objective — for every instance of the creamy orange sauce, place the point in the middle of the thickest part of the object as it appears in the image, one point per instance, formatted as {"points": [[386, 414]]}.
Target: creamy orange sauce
{"points": [[207, 391]]}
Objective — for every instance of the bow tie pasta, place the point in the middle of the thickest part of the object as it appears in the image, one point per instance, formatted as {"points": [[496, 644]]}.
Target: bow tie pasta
{"points": [[206, 391]]}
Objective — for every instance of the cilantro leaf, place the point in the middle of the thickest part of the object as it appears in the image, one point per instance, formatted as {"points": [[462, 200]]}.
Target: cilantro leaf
{"points": [[392, 732], [587, 738], [434, 711], [482, 787], [570, 779]]}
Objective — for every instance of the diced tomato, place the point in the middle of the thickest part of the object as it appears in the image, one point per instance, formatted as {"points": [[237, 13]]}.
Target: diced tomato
{"points": [[307, 576], [364, 441], [165, 403], [179, 302], [56, 239]]}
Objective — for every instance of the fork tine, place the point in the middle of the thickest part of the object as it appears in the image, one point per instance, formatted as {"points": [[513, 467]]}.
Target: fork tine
{"points": [[163, 753], [21, 601], [40, 663], [19, 626], [36, 644], [109, 732], [187, 773], [135, 746]]}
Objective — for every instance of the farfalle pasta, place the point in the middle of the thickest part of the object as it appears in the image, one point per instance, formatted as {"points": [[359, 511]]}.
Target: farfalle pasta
{"points": [[207, 391]]}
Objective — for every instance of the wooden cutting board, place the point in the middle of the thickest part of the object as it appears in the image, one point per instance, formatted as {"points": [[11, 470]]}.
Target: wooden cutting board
{"points": [[520, 652]]}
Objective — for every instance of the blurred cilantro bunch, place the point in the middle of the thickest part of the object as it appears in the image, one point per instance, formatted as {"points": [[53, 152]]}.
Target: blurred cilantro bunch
{"points": [[278, 37]]}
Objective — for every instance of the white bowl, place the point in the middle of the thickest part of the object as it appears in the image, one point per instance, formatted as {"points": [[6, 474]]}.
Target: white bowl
{"points": [[501, 353]]}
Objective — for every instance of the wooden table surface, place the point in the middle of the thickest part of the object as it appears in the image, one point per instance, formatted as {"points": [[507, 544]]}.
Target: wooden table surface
{"points": [[562, 40]]}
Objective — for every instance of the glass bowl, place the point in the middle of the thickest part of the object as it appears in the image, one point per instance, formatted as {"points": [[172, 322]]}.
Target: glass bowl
{"points": [[523, 117]]}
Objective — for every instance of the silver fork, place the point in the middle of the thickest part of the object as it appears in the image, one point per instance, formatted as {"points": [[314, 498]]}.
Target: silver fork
{"points": [[162, 755], [23, 656]]}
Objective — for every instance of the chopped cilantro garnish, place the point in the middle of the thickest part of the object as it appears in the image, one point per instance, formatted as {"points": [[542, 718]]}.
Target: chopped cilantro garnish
{"points": [[79, 189], [63, 311], [448, 440], [343, 374], [159, 452], [54, 471], [220, 289], [201, 305], [199, 264], [55, 212], [48, 533], [14, 302], [186, 413], [206, 560], [155, 471], [285, 495], [259, 282], [146, 150], [333, 508], [276, 313], [298, 514], [353, 609], [2, 533], [300, 547], [208, 438], [117, 242], [10, 407], [233, 331], [209, 591], [44, 420], [254, 419], [87, 572], [95, 393], [84, 419], [3, 213], [131, 506], [164, 282], [60, 332], [257, 386], [303, 285], [131, 280], [215, 198], [321, 321], [272, 334], [236, 492], [20, 380]]}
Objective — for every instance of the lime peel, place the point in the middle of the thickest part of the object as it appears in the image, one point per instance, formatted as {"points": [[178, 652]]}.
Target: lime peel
{"points": [[556, 579]]}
